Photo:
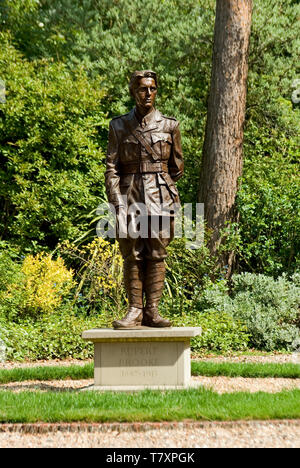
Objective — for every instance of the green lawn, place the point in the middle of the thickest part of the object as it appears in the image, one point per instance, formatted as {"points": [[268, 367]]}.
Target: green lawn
{"points": [[74, 372], [198, 368], [244, 369], [196, 404]]}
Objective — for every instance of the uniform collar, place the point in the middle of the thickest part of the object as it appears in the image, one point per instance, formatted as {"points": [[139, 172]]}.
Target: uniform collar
{"points": [[149, 121]]}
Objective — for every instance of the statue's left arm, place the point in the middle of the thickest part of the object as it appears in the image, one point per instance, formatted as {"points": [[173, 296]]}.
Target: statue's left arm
{"points": [[175, 163]]}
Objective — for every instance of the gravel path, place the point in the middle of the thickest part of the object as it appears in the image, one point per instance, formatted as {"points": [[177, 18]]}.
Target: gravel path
{"points": [[293, 358], [241, 384], [42, 363], [241, 434], [218, 384]]}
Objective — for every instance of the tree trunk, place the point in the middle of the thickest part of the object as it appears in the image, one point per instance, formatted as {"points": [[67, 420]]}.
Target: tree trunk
{"points": [[223, 145]]}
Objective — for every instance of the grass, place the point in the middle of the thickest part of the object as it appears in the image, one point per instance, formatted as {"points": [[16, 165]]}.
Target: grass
{"points": [[200, 404], [255, 370], [193, 404], [76, 372]]}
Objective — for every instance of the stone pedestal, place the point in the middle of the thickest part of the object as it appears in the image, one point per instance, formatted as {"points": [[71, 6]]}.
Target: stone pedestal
{"points": [[135, 359]]}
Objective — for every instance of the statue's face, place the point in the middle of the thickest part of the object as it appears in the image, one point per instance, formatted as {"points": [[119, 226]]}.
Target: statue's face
{"points": [[145, 93]]}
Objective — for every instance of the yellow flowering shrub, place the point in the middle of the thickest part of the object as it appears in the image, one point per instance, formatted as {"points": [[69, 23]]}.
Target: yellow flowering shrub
{"points": [[45, 282]]}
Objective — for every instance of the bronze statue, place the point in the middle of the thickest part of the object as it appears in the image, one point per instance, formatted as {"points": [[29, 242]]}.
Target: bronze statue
{"points": [[144, 160]]}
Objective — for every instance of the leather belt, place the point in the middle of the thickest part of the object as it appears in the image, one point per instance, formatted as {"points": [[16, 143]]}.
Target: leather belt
{"points": [[143, 167]]}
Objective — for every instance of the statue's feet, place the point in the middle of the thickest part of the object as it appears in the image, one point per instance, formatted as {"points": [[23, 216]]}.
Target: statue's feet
{"points": [[151, 318], [132, 319]]}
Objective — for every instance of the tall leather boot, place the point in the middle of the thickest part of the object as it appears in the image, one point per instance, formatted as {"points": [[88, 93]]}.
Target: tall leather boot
{"points": [[153, 285], [133, 281]]}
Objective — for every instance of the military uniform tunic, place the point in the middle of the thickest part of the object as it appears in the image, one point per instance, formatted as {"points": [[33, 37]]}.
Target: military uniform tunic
{"points": [[133, 172]]}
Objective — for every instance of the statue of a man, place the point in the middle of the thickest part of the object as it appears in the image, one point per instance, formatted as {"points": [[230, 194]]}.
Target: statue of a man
{"points": [[144, 160]]}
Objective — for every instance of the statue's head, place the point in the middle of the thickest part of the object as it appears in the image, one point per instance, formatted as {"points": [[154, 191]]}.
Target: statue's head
{"points": [[143, 88]]}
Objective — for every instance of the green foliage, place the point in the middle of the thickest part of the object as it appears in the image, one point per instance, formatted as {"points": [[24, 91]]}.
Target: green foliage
{"points": [[10, 271], [58, 336], [269, 308], [270, 224], [268, 202], [220, 331], [10, 274], [27, 291], [260, 311], [186, 269], [99, 274], [273, 63], [112, 38], [51, 169], [269, 197], [77, 58], [55, 336]]}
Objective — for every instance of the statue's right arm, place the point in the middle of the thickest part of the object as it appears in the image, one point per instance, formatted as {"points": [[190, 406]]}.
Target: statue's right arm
{"points": [[112, 177]]}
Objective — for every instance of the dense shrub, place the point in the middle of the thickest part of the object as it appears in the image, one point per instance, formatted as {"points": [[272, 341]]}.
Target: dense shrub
{"points": [[10, 274], [99, 274], [220, 331], [111, 39], [46, 282], [58, 335], [269, 199], [187, 270], [259, 311], [64, 64], [10, 270], [37, 286], [51, 163], [269, 308], [36, 323], [55, 336]]}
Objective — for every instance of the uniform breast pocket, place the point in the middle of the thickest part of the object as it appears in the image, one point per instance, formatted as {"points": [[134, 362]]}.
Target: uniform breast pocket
{"points": [[162, 144], [130, 148]]}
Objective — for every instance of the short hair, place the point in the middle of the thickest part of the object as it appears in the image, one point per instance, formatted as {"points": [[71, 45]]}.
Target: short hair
{"points": [[137, 75]]}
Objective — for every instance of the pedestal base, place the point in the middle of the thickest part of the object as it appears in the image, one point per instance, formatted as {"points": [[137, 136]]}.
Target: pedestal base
{"points": [[141, 358]]}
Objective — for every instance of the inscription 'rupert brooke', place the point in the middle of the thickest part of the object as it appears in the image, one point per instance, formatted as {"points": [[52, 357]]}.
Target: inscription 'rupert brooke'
{"points": [[138, 362], [138, 356], [138, 350]]}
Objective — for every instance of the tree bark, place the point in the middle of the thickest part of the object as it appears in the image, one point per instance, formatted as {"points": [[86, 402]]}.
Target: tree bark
{"points": [[223, 145]]}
